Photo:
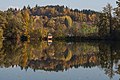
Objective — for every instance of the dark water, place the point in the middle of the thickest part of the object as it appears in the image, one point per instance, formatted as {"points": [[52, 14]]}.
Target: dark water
{"points": [[59, 61]]}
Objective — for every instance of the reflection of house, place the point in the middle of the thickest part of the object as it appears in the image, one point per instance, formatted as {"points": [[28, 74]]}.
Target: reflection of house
{"points": [[49, 38]]}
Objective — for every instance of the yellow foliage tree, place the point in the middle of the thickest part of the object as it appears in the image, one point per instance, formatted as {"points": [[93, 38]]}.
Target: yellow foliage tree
{"points": [[26, 18], [68, 21]]}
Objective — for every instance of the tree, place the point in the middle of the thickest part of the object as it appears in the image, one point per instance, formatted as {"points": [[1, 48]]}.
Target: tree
{"points": [[1, 33], [108, 12], [102, 24], [117, 14], [60, 30], [51, 23], [68, 21], [28, 7], [24, 8], [26, 19], [118, 3], [105, 21], [36, 6], [13, 29], [3, 22]]}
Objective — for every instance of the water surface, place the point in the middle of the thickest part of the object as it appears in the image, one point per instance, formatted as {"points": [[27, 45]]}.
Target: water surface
{"points": [[59, 61]]}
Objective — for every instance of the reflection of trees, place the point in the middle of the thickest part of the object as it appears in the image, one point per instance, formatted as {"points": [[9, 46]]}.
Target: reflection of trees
{"points": [[60, 56], [109, 55], [60, 64], [106, 62], [10, 54]]}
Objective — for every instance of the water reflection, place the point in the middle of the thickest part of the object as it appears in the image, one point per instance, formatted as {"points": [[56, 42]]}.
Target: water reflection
{"points": [[61, 56]]}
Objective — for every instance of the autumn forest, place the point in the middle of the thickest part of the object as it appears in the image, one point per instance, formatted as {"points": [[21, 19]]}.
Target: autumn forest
{"points": [[61, 21], [52, 41]]}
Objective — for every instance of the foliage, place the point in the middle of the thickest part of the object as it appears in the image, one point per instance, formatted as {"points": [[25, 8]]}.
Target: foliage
{"points": [[60, 21], [87, 30], [68, 21]]}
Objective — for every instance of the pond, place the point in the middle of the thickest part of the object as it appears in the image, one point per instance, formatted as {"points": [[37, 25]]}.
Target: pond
{"points": [[36, 60]]}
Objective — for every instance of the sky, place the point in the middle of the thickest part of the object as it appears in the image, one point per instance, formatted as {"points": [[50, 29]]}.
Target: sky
{"points": [[96, 5]]}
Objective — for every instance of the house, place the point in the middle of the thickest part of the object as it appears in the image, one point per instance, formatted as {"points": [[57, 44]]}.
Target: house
{"points": [[50, 36]]}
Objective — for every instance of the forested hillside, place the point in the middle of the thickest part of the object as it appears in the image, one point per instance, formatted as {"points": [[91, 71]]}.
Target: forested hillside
{"points": [[60, 21]]}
